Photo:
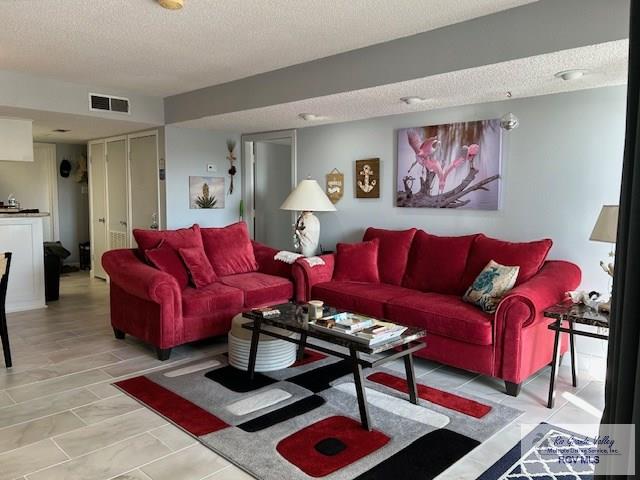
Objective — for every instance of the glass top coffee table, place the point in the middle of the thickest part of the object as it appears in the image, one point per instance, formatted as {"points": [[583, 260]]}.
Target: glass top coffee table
{"points": [[291, 319]]}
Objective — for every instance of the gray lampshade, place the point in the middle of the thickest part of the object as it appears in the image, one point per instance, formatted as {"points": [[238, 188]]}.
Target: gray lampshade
{"points": [[308, 196], [606, 226]]}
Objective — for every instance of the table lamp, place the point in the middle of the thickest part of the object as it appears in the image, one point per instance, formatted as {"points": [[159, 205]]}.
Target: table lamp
{"points": [[308, 197], [605, 230]]}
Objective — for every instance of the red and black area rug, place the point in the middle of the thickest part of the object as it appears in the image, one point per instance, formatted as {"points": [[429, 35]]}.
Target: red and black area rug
{"points": [[303, 422]]}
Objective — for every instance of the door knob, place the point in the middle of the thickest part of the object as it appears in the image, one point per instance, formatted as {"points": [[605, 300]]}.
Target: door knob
{"points": [[101, 220], [123, 223]]}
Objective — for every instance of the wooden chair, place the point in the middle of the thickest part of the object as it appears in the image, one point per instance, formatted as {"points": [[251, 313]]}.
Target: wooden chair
{"points": [[4, 332]]}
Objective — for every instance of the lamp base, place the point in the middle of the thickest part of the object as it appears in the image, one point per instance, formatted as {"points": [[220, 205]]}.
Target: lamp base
{"points": [[308, 233]]}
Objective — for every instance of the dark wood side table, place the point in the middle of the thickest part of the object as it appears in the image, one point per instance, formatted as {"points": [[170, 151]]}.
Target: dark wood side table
{"points": [[573, 314]]}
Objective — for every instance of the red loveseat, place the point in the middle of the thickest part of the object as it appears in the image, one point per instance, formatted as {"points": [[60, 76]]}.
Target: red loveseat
{"points": [[422, 278], [160, 308]]}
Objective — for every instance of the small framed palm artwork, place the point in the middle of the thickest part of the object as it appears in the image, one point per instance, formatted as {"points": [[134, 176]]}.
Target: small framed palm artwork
{"points": [[206, 192]]}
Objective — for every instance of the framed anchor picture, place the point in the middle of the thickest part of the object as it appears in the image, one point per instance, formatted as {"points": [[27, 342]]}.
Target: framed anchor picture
{"points": [[368, 178]]}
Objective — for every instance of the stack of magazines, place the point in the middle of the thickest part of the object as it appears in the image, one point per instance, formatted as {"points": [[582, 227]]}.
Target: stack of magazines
{"points": [[365, 330]]}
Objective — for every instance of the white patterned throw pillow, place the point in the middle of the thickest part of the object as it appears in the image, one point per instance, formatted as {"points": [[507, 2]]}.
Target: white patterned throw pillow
{"points": [[493, 282]]}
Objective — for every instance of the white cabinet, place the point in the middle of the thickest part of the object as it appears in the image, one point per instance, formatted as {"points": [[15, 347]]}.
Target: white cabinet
{"points": [[22, 236], [123, 187]]}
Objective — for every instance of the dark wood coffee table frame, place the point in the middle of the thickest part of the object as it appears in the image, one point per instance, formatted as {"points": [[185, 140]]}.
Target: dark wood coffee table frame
{"points": [[387, 352]]}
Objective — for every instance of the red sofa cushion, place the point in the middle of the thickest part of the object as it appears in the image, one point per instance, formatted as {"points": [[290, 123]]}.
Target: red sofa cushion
{"points": [[437, 264], [357, 262], [200, 270], [445, 315], [210, 299], [229, 249], [393, 252], [182, 237], [529, 256], [260, 289], [165, 258], [364, 298]]}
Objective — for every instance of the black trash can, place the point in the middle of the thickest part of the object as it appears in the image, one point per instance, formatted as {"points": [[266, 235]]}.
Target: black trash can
{"points": [[54, 254]]}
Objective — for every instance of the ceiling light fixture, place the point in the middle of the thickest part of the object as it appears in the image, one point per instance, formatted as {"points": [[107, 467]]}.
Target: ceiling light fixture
{"points": [[509, 121], [171, 4], [570, 74], [311, 117], [413, 100]]}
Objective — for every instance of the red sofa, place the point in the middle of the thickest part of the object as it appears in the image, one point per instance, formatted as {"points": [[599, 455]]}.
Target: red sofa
{"points": [[422, 279], [159, 308]]}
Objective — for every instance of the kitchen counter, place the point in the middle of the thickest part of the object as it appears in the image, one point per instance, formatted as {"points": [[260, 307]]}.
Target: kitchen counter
{"points": [[23, 215], [22, 235]]}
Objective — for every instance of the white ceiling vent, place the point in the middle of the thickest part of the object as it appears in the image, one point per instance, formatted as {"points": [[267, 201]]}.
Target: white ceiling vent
{"points": [[108, 103]]}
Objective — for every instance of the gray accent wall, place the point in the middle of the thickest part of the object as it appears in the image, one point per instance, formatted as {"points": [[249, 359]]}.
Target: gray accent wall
{"points": [[559, 167], [187, 152]]}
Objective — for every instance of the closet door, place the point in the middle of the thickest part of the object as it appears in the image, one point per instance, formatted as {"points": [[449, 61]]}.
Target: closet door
{"points": [[117, 207], [143, 175], [98, 199]]}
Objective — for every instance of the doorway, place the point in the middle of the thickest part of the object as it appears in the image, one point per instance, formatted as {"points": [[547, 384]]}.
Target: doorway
{"points": [[269, 163]]}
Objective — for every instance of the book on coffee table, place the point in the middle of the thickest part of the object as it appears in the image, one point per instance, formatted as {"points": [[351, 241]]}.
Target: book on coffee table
{"points": [[375, 333]]}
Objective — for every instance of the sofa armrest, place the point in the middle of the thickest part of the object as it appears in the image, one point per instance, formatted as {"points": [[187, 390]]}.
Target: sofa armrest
{"points": [[548, 287], [305, 276], [266, 263], [139, 279], [523, 309]]}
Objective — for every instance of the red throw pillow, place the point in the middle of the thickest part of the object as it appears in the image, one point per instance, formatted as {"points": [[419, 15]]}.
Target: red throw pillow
{"points": [[393, 253], [180, 238], [229, 249], [166, 259], [357, 262], [437, 264], [200, 270], [529, 256]]}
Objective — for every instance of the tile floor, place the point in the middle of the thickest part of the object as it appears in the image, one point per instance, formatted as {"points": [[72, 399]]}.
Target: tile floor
{"points": [[61, 419]]}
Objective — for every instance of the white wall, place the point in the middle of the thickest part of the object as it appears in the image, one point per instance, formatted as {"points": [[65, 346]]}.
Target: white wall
{"points": [[187, 152], [273, 226], [73, 202], [560, 166]]}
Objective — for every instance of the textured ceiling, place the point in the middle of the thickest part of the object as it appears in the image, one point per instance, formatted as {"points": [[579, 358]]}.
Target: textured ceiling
{"points": [[137, 45], [607, 65], [82, 127]]}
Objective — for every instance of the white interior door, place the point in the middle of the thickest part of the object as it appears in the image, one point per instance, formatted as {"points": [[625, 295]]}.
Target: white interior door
{"points": [[98, 198], [117, 208], [143, 175], [272, 184]]}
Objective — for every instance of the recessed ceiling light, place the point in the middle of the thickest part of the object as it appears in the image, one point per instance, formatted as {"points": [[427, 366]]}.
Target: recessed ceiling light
{"points": [[172, 4], [570, 74], [61, 130], [413, 100], [311, 117]]}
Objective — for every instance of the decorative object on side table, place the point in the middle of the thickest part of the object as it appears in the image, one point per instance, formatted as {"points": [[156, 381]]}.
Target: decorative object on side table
{"points": [[335, 185], [231, 146], [446, 159], [307, 198], [572, 314], [368, 178], [206, 192], [605, 230]]}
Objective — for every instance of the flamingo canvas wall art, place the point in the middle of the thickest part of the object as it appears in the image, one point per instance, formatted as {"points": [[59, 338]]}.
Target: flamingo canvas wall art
{"points": [[454, 165]]}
